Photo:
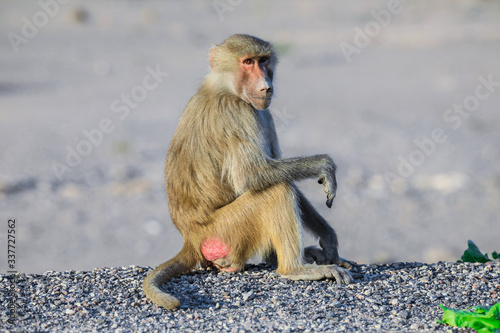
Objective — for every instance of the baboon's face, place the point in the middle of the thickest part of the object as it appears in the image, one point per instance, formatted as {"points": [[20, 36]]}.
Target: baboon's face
{"points": [[254, 82]]}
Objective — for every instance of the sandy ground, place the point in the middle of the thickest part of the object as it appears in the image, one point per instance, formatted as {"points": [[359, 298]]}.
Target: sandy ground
{"points": [[405, 98]]}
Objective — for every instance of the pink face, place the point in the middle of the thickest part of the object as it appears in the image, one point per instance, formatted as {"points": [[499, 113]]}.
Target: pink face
{"points": [[254, 82]]}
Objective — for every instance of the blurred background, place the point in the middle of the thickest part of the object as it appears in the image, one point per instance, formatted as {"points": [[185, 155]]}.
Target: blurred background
{"points": [[405, 96]]}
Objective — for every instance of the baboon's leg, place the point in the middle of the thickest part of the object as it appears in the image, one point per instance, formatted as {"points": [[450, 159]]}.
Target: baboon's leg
{"points": [[263, 220], [256, 222]]}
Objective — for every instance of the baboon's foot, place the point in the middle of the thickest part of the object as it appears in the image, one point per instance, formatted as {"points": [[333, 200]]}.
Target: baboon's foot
{"points": [[315, 272]]}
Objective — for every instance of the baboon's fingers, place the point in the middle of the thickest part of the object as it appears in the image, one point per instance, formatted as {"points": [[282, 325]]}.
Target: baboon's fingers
{"points": [[330, 198], [341, 275], [337, 276], [344, 264], [331, 192], [347, 263], [326, 186]]}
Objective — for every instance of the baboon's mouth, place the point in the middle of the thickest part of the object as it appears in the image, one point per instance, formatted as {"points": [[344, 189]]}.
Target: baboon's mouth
{"points": [[260, 103], [266, 98]]}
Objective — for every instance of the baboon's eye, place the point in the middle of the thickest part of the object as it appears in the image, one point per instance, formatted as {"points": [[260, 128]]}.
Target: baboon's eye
{"points": [[248, 61], [263, 59]]}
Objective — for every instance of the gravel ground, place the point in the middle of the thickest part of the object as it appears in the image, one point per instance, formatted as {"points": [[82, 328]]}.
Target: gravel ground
{"points": [[397, 296]]}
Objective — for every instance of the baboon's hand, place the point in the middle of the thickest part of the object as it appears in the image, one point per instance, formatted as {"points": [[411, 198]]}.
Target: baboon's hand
{"points": [[313, 254], [326, 255], [329, 181]]}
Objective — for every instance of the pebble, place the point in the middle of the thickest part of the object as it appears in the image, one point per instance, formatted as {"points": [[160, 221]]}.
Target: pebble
{"points": [[385, 297], [69, 312], [248, 295]]}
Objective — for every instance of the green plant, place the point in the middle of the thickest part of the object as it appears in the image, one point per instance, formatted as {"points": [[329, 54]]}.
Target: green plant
{"points": [[473, 254], [484, 319]]}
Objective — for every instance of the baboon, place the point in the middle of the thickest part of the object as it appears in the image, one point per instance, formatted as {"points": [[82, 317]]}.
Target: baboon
{"points": [[230, 193]]}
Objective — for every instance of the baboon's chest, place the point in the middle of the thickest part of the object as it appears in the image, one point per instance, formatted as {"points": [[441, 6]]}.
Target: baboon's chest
{"points": [[268, 137]]}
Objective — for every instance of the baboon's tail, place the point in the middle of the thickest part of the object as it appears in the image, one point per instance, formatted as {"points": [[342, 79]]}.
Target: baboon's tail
{"points": [[182, 263]]}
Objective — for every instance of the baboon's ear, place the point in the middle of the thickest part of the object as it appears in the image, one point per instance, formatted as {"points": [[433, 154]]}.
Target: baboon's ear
{"points": [[211, 59]]}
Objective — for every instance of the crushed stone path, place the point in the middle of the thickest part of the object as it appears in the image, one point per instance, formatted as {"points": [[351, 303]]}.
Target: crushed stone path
{"points": [[397, 296]]}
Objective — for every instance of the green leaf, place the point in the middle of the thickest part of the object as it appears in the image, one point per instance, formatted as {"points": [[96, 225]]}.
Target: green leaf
{"points": [[484, 319], [473, 254]]}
